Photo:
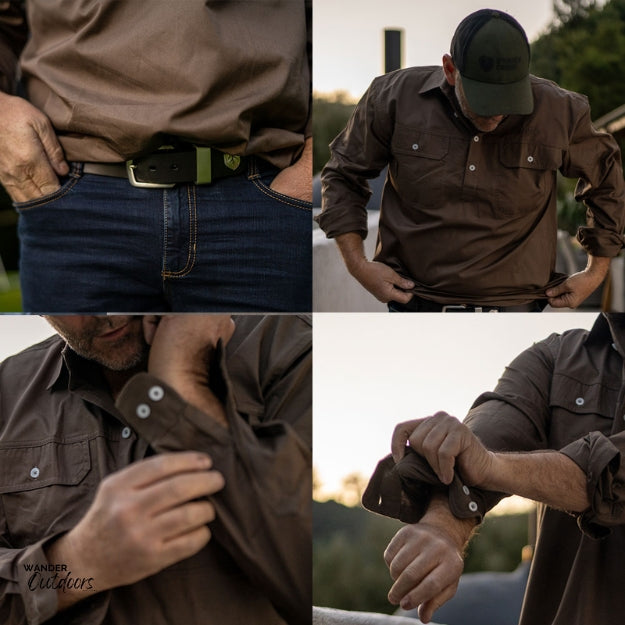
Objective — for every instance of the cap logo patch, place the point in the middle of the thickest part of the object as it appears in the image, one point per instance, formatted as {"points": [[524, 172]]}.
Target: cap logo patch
{"points": [[486, 63], [508, 64]]}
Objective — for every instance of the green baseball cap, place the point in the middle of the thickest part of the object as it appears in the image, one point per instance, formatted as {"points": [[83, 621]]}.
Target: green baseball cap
{"points": [[492, 54]]}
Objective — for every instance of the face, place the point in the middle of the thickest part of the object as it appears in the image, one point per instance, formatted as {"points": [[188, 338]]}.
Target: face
{"points": [[484, 124], [115, 342]]}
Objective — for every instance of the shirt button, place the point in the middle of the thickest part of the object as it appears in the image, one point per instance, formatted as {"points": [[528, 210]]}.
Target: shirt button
{"points": [[476, 138], [415, 146], [34, 473], [530, 159], [143, 411], [465, 490], [156, 393], [579, 401], [126, 432], [472, 506], [471, 167]]}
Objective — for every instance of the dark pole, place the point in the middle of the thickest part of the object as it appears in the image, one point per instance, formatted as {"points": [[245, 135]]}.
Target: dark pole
{"points": [[392, 49]]}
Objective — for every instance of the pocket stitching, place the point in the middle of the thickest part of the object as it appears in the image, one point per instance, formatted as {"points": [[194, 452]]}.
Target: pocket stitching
{"points": [[46, 199], [280, 197]]}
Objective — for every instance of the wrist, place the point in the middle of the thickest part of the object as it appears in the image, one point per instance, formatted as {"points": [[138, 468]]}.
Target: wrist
{"points": [[440, 517]]}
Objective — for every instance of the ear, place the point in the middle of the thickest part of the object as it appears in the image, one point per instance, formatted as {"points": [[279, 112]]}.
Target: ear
{"points": [[450, 69]]}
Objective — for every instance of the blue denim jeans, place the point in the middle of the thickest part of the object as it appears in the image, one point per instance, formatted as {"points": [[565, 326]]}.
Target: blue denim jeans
{"points": [[99, 244]]}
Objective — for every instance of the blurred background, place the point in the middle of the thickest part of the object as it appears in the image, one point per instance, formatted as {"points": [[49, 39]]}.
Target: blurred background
{"points": [[372, 372], [580, 44]]}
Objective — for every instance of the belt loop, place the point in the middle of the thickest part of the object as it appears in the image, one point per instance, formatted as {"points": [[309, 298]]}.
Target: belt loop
{"points": [[76, 169]]}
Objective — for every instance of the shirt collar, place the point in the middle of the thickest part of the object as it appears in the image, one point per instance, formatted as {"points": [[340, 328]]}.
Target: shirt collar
{"points": [[608, 327], [436, 80]]}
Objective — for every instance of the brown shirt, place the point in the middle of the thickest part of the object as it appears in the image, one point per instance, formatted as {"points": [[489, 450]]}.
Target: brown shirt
{"points": [[120, 78], [61, 434], [470, 217], [565, 393]]}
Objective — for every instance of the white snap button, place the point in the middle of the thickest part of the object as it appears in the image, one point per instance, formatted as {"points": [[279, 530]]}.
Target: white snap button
{"points": [[156, 393], [126, 432], [415, 146], [472, 506], [34, 472], [465, 490], [476, 138], [530, 159], [579, 401], [471, 167], [614, 347], [143, 411]]}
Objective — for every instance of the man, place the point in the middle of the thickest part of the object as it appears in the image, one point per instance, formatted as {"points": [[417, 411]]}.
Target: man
{"points": [[162, 157], [180, 494], [557, 414], [468, 214]]}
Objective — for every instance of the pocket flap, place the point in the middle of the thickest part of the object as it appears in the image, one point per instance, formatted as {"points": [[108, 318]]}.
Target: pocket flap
{"points": [[414, 142], [580, 398], [530, 156], [42, 464]]}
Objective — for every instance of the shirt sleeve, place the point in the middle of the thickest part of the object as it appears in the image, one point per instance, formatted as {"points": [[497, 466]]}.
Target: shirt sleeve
{"points": [[30, 597], [263, 514], [358, 153], [13, 35], [600, 457], [514, 417], [594, 157]]}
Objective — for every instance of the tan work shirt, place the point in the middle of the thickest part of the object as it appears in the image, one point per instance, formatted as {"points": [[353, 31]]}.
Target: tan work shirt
{"points": [[565, 393], [61, 434], [470, 217], [120, 78]]}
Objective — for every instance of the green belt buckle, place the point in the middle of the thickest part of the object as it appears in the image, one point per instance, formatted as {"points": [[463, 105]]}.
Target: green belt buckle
{"points": [[203, 173]]}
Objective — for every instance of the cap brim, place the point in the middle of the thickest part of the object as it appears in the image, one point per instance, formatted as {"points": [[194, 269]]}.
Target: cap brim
{"points": [[488, 99]]}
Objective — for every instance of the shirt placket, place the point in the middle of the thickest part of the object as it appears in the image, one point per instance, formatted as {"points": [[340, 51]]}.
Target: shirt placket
{"points": [[474, 165]]}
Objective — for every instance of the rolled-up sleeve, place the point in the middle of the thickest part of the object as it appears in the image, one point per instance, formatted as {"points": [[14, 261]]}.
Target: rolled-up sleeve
{"points": [[600, 457], [358, 153], [594, 157]]}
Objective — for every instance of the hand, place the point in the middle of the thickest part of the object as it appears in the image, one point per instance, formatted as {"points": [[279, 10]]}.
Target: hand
{"points": [[577, 287], [384, 283], [180, 350], [143, 519], [425, 564], [296, 180], [445, 443], [31, 158]]}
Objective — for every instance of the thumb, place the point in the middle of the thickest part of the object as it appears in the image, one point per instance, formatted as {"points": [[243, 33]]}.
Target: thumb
{"points": [[560, 289], [52, 148]]}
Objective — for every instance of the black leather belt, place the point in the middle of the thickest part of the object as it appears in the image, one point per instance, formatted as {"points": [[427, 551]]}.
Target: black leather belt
{"points": [[419, 304], [165, 168]]}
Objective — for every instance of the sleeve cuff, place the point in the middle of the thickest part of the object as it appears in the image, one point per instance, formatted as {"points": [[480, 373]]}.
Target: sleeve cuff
{"points": [[403, 491], [600, 459]]}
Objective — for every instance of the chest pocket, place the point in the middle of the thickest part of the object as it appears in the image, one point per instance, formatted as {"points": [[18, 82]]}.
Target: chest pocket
{"points": [[44, 488], [578, 408], [529, 177], [418, 169]]}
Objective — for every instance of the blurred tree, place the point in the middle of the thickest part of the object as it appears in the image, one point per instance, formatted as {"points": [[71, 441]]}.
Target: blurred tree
{"points": [[330, 114]]}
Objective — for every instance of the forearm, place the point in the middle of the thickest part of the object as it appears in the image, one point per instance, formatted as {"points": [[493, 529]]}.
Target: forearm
{"points": [[352, 248], [598, 266], [545, 476], [458, 530]]}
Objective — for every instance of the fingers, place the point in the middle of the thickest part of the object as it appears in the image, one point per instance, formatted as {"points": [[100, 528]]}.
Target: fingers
{"points": [[400, 437], [425, 568], [184, 519], [438, 438], [427, 608], [51, 146], [151, 470], [179, 489]]}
